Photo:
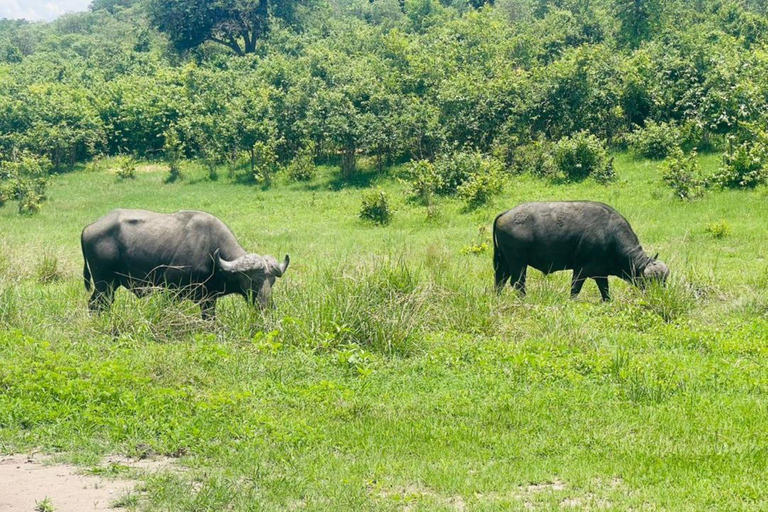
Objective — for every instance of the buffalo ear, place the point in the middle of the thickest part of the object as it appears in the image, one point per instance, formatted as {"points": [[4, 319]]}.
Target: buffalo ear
{"points": [[284, 265]]}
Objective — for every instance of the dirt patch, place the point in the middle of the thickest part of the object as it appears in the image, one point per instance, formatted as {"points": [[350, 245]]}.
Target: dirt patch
{"points": [[28, 480], [144, 168]]}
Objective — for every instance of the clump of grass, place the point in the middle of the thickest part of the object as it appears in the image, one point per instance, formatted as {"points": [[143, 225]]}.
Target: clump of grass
{"points": [[720, 229], [670, 301], [47, 270], [160, 316], [641, 383], [127, 500], [380, 307], [44, 505]]}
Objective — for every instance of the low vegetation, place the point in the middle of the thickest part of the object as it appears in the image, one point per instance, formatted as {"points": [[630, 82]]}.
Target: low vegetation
{"points": [[389, 374]]}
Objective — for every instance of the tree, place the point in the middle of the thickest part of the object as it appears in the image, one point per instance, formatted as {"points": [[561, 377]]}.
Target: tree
{"points": [[637, 18], [237, 24]]}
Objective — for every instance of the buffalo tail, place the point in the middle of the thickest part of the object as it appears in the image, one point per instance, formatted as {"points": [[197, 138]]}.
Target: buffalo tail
{"points": [[86, 270]]}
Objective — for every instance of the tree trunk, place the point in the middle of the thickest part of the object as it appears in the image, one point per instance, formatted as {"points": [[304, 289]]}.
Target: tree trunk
{"points": [[348, 162], [253, 162]]}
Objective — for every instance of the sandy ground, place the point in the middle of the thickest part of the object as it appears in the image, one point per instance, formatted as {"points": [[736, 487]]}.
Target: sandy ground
{"points": [[24, 481]]}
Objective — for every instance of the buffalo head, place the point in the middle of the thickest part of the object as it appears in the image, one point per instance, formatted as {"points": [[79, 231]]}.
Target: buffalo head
{"points": [[654, 271], [254, 275]]}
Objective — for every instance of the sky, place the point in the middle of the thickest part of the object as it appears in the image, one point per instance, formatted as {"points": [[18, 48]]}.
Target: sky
{"points": [[37, 10]]}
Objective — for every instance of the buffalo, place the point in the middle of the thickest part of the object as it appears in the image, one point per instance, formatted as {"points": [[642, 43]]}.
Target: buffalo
{"points": [[590, 238], [192, 252]]}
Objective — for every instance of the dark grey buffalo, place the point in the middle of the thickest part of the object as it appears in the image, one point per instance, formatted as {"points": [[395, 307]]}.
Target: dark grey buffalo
{"points": [[190, 251], [592, 239]]}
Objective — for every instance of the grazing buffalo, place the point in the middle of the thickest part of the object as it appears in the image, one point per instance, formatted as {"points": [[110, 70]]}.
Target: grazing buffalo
{"points": [[189, 251], [592, 239]]}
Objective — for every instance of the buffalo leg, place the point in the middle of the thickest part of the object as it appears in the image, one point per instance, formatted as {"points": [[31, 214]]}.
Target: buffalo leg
{"points": [[518, 279], [502, 276], [102, 296], [576, 283], [208, 309], [602, 285]]}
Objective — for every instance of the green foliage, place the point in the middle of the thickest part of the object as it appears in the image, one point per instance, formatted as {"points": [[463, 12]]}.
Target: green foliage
{"points": [[720, 229], [456, 168], [238, 25], [682, 173], [173, 150], [745, 165], [125, 167], [536, 158], [302, 167], [24, 179], [44, 505], [423, 180], [481, 243], [581, 156], [484, 183], [655, 140], [375, 207]]}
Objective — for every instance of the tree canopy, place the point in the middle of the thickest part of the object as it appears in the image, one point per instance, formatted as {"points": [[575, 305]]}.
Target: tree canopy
{"points": [[236, 24]]}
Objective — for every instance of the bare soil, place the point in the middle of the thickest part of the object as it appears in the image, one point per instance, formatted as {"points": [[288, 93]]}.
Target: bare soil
{"points": [[25, 481]]}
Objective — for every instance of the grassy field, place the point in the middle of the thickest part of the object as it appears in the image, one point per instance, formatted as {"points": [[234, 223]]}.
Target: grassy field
{"points": [[389, 376]]}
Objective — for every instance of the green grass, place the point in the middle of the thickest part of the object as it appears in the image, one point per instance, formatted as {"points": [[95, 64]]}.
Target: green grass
{"points": [[390, 377]]}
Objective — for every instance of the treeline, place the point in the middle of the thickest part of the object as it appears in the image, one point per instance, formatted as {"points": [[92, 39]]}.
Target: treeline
{"points": [[385, 79]]}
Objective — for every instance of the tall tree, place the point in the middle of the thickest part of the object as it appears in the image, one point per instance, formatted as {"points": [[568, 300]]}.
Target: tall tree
{"points": [[638, 18], [237, 24]]}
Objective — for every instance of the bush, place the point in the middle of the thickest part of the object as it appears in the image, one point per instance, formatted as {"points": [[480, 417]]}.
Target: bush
{"points": [[263, 161], [302, 168], [744, 165], [481, 185], [536, 158], [655, 140], [583, 155], [683, 174], [126, 167], [719, 229], [375, 207], [423, 180], [455, 168], [24, 179], [174, 151]]}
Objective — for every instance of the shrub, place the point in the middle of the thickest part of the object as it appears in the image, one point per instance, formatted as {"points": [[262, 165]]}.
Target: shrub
{"points": [[302, 168], [655, 140], [455, 168], [423, 180], [536, 158], [375, 207], [126, 167], [583, 155], [174, 151], [263, 161], [481, 185], [683, 174], [719, 229], [24, 179], [745, 165], [480, 244]]}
